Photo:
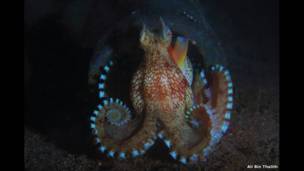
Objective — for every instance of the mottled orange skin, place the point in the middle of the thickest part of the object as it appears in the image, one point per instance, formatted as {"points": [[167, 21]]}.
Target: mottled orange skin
{"points": [[160, 90], [161, 95], [158, 79], [163, 84]]}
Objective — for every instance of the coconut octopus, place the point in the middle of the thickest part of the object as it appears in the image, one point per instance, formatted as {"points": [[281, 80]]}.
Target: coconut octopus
{"points": [[189, 110]]}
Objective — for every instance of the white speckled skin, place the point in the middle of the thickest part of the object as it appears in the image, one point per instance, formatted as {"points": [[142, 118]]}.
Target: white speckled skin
{"points": [[160, 93]]}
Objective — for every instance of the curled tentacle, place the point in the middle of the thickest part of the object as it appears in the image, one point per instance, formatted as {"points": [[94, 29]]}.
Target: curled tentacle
{"points": [[187, 136], [220, 103], [118, 114], [117, 133], [206, 121]]}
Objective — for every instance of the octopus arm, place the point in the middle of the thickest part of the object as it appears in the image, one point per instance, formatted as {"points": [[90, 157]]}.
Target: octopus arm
{"points": [[184, 141], [120, 136], [220, 103], [184, 138], [207, 116]]}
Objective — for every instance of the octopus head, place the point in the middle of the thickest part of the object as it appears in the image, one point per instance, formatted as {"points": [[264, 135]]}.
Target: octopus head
{"points": [[161, 39]]}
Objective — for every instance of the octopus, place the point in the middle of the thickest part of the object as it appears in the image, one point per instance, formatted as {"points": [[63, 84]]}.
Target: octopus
{"points": [[189, 110]]}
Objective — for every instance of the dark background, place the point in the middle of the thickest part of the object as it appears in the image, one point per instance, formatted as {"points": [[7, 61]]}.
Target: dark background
{"points": [[60, 37]]}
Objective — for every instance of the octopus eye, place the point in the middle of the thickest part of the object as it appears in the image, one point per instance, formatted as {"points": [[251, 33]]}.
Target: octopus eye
{"points": [[167, 33], [143, 32]]}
